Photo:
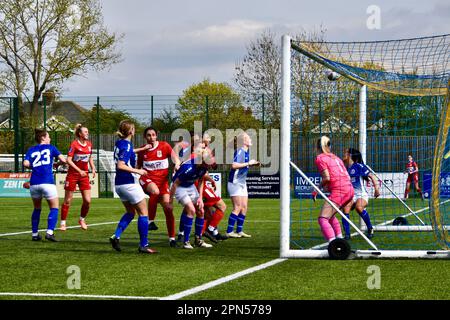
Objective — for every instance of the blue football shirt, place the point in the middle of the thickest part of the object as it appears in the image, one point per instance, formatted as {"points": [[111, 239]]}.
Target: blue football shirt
{"points": [[41, 158]]}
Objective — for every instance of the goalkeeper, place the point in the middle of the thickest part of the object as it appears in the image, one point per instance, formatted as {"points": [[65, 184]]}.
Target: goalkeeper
{"points": [[336, 180]]}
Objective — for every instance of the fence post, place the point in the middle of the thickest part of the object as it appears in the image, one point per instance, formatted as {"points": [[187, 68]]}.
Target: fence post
{"points": [[263, 111], [56, 139], [22, 147], [151, 110], [106, 184], [320, 115], [10, 112], [98, 135], [207, 113], [16, 133], [45, 112]]}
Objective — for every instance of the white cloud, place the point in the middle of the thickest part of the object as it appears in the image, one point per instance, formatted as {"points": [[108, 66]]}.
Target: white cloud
{"points": [[234, 30]]}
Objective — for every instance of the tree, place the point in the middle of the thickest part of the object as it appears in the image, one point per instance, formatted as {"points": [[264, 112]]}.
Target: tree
{"points": [[166, 122], [45, 42], [109, 120], [215, 103], [259, 73]]}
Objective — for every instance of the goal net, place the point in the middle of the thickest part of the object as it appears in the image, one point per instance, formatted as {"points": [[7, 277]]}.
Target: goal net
{"points": [[390, 101]]}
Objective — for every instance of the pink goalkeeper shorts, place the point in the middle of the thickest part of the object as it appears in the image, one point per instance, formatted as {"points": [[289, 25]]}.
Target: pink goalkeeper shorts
{"points": [[342, 197]]}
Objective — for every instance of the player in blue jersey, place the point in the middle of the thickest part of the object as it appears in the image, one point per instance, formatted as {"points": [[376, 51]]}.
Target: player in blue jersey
{"points": [[237, 186], [39, 159], [130, 193], [359, 174], [186, 193]]}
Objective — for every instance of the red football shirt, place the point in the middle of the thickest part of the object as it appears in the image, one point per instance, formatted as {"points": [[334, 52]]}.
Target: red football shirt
{"points": [[411, 166], [80, 155], [156, 161]]}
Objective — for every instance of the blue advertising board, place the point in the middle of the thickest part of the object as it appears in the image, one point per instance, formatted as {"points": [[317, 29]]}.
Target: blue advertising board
{"points": [[444, 184], [302, 188]]}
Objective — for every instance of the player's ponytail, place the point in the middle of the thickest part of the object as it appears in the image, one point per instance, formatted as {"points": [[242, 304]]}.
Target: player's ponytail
{"points": [[77, 130], [324, 144], [356, 155], [125, 128]]}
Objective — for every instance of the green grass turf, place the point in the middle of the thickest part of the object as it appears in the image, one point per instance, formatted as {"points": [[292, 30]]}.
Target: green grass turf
{"points": [[27, 266]]}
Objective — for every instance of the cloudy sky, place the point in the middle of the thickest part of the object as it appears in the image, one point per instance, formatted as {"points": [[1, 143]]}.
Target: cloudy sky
{"points": [[169, 45]]}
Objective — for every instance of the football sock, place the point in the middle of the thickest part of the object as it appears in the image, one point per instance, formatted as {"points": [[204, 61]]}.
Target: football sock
{"points": [[181, 226], [326, 228], [35, 217], [187, 226], [346, 225], [52, 219], [365, 216], [240, 222], [199, 226], [152, 206], [334, 222], [170, 222], [123, 224], [216, 218], [231, 222], [143, 230]]}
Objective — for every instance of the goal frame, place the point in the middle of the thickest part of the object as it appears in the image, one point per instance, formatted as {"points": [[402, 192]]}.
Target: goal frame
{"points": [[285, 178]]}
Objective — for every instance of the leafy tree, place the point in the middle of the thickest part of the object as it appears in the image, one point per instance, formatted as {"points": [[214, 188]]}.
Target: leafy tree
{"points": [[109, 120], [166, 122], [224, 106], [259, 73], [45, 42]]}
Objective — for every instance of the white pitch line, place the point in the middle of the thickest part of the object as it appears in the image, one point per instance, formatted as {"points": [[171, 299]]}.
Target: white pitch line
{"points": [[113, 222], [61, 295], [41, 230], [223, 280]]}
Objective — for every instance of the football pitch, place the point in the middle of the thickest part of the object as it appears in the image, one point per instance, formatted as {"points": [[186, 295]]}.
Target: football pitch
{"points": [[232, 269]]}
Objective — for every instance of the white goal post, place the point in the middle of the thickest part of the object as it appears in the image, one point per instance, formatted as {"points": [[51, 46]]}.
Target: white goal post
{"points": [[321, 251]]}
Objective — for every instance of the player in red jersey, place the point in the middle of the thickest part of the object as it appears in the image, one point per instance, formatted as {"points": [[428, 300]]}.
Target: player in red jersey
{"points": [[412, 169], [79, 159], [155, 183], [214, 208]]}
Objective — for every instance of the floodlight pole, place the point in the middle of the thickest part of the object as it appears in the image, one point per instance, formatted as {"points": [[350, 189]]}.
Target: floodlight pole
{"points": [[285, 144]]}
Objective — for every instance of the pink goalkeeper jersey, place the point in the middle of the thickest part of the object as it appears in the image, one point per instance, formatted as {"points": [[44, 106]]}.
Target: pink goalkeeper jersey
{"points": [[339, 177]]}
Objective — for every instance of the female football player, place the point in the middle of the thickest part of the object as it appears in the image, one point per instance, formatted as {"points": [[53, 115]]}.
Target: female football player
{"points": [[39, 159], [79, 159], [336, 180], [359, 174], [237, 187], [130, 193]]}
